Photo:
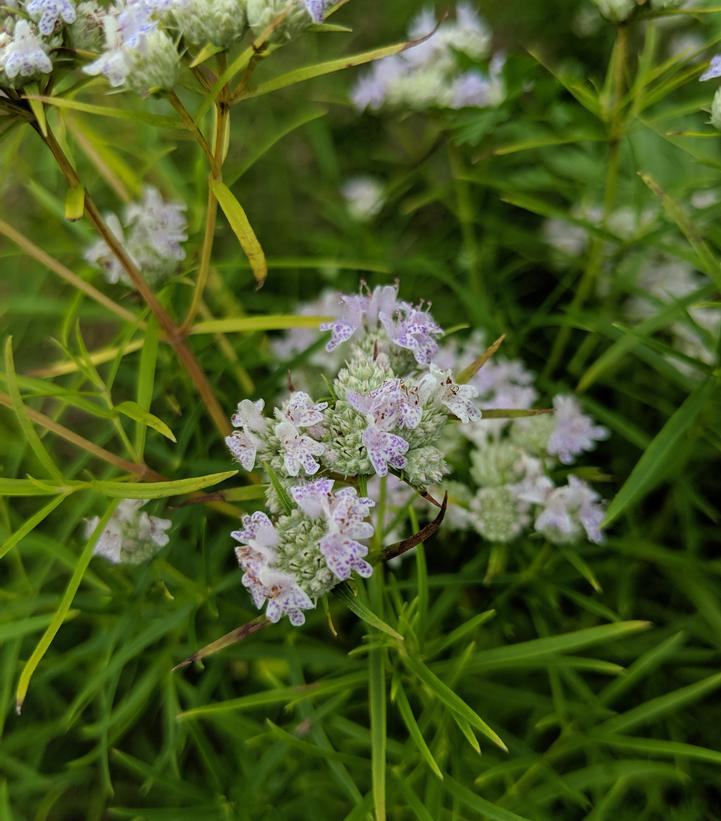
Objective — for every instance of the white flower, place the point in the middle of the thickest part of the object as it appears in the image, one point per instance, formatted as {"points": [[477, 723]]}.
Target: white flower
{"points": [[26, 54], [256, 554], [344, 513], [385, 408], [714, 69], [299, 450], [151, 233], [131, 536], [364, 197], [137, 53], [301, 411], [573, 432], [48, 13], [249, 416], [285, 597], [439, 386], [569, 511]]}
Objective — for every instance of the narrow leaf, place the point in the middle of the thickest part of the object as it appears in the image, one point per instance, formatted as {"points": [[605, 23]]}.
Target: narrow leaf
{"points": [[453, 701], [650, 468], [138, 414], [305, 73], [242, 229], [468, 373], [414, 730], [62, 611], [26, 425], [345, 594], [31, 524], [248, 324], [160, 490]]}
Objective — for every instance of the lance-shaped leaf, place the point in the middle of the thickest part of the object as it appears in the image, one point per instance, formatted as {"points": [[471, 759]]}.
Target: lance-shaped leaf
{"points": [[469, 372], [242, 229]]}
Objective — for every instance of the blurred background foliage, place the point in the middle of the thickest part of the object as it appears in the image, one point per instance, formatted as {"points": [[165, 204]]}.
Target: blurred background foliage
{"points": [[620, 722]]}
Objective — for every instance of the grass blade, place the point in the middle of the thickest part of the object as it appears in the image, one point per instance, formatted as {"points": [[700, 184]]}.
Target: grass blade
{"points": [[650, 468], [404, 708], [160, 490], [454, 702], [26, 425], [62, 611]]}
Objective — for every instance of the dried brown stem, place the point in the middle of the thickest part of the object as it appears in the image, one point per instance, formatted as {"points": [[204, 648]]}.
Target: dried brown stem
{"points": [[233, 637], [425, 533]]}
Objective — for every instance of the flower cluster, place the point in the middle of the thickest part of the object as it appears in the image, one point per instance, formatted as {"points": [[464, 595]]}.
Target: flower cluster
{"points": [[395, 421], [654, 281], [140, 42], [291, 563], [389, 402], [29, 32], [387, 409], [619, 10], [364, 197], [152, 232], [506, 484], [430, 74], [131, 536], [662, 281]]}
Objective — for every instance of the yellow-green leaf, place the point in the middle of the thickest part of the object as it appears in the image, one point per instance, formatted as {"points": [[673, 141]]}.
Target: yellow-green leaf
{"points": [[75, 203], [242, 229], [138, 414]]}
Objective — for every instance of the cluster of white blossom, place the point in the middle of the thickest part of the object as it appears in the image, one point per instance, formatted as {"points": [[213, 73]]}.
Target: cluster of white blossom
{"points": [[431, 74], [507, 483], [663, 281], [502, 486], [386, 410], [151, 232], [655, 281], [364, 197], [570, 238], [29, 32], [619, 10], [131, 535], [139, 42]]}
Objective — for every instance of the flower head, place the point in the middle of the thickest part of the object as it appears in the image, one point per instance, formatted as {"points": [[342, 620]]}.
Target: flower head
{"points": [[131, 536], [569, 511], [49, 13], [364, 197], [25, 54], [151, 232], [439, 385], [344, 514], [573, 431]]}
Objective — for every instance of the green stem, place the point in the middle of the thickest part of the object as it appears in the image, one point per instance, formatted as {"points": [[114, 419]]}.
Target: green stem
{"points": [[217, 157], [596, 253]]}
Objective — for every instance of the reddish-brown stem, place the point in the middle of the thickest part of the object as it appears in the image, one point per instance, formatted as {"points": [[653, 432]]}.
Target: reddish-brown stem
{"points": [[173, 334]]}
